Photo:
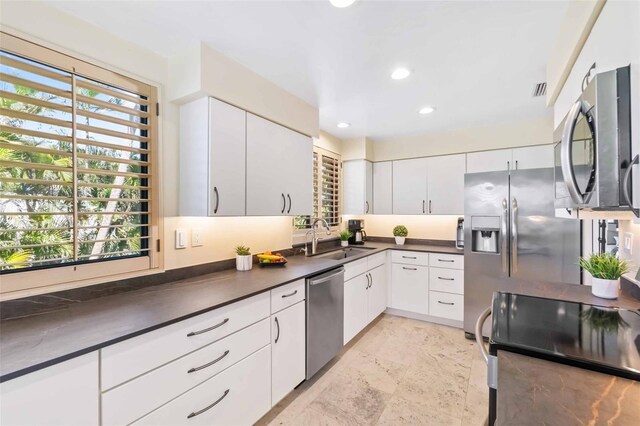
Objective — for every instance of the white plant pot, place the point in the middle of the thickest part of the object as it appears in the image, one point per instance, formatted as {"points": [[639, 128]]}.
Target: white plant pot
{"points": [[400, 240], [244, 263], [606, 289], [344, 243]]}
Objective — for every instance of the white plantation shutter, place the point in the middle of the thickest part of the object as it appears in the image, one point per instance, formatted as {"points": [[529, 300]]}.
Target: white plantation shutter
{"points": [[75, 165], [326, 189]]}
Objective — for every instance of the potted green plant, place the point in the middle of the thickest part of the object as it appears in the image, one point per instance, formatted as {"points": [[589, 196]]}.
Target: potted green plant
{"points": [[344, 238], [400, 232], [244, 260], [606, 270]]}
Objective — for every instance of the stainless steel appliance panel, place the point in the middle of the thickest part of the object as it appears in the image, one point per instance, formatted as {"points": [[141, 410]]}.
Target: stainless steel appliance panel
{"points": [[485, 195], [325, 318], [543, 247]]}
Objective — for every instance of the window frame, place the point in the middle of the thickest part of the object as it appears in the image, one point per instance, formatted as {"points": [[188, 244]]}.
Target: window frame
{"points": [[63, 276], [299, 234]]}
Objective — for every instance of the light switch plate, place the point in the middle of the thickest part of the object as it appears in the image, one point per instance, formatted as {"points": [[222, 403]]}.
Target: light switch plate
{"points": [[196, 237], [181, 238]]}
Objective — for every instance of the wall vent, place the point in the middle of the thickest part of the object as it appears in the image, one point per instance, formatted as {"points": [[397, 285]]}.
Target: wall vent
{"points": [[540, 89]]}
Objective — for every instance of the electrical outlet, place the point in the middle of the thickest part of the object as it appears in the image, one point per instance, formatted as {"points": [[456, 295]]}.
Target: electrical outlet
{"points": [[196, 237], [181, 238], [627, 242]]}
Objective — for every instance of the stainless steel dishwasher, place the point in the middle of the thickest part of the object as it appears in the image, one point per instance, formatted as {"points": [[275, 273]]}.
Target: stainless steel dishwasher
{"points": [[325, 318]]}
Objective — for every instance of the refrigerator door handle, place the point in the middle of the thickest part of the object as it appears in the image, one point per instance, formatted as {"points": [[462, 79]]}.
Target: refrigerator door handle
{"points": [[514, 235], [503, 231]]}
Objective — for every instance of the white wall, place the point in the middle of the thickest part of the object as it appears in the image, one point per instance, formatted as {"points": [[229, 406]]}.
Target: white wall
{"points": [[441, 227], [329, 142], [506, 135], [632, 227]]}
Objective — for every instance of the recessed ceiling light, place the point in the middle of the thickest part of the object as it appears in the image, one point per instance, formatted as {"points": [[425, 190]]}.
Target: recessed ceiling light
{"points": [[400, 73], [342, 3], [426, 110], [343, 125]]}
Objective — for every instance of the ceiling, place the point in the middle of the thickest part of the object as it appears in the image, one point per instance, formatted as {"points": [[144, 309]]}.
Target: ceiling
{"points": [[475, 61]]}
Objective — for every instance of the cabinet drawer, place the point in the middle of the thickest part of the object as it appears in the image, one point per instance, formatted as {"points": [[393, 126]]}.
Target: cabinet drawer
{"points": [[447, 280], [446, 305], [133, 400], [131, 358], [240, 395], [450, 261], [287, 295], [410, 257], [376, 260], [410, 288], [353, 269]]}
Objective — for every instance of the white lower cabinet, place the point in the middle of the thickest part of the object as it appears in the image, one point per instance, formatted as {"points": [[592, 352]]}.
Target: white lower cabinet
{"points": [[288, 346], [63, 394], [365, 297], [410, 288], [240, 395]]}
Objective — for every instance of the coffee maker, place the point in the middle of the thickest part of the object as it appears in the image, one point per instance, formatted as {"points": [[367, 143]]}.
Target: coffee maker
{"points": [[358, 236]]}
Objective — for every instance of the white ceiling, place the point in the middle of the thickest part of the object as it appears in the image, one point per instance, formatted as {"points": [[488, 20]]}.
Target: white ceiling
{"points": [[476, 62]]}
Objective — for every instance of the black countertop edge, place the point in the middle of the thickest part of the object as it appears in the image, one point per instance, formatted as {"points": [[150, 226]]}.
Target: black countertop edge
{"points": [[377, 248], [563, 359]]}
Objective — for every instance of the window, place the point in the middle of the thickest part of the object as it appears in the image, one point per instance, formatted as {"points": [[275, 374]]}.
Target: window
{"points": [[326, 190], [76, 144]]}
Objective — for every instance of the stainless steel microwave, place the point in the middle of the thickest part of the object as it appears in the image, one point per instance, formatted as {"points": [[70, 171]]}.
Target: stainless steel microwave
{"points": [[593, 162]]}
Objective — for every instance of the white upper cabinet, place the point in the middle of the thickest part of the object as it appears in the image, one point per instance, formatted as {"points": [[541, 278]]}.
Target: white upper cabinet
{"points": [[489, 161], [410, 186], [279, 170], [446, 184], [358, 186], [382, 187], [212, 159], [533, 157]]}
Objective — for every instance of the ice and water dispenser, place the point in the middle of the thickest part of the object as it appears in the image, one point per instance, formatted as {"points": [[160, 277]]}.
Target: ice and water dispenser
{"points": [[485, 234]]}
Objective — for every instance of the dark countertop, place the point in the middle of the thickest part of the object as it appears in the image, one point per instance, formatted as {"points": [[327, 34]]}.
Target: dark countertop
{"points": [[33, 342]]}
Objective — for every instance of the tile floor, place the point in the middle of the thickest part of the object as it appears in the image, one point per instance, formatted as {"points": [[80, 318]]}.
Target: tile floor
{"points": [[397, 371]]}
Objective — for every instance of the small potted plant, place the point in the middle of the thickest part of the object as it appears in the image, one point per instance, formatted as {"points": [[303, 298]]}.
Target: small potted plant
{"points": [[244, 260], [344, 238], [606, 270], [400, 232]]}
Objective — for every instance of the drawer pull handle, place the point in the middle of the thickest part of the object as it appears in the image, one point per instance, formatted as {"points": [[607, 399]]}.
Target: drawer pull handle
{"points": [[195, 333], [445, 260], [209, 364], [409, 257], [446, 279], [290, 294], [197, 413], [445, 303], [410, 269]]}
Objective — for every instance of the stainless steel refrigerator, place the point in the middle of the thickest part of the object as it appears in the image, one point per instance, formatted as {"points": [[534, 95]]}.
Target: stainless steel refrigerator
{"points": [[511, 233]]}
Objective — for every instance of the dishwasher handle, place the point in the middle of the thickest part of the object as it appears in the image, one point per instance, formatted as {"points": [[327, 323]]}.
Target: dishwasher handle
{"points": [[328, 276]]}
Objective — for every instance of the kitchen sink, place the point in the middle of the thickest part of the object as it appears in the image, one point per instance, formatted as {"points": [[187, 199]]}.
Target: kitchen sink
{"points": [[344, 253]]}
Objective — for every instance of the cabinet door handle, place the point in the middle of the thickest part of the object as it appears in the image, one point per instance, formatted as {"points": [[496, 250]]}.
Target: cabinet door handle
{"points": [[209, 364], [409, 269], [446, 279], [284, 204], [289, 197], [195, 333], [277, 325], [423, 202], [197, 413], [290, 294], [516, 164], [366, 203], [370, 280], [446, 260], [429, 206], [215, 191], [367, 287], [409, 257], [508, 166], [445, 303]]}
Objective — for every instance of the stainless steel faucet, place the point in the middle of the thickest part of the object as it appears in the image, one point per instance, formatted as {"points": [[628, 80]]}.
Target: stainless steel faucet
{"points": [[314, 239]]}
